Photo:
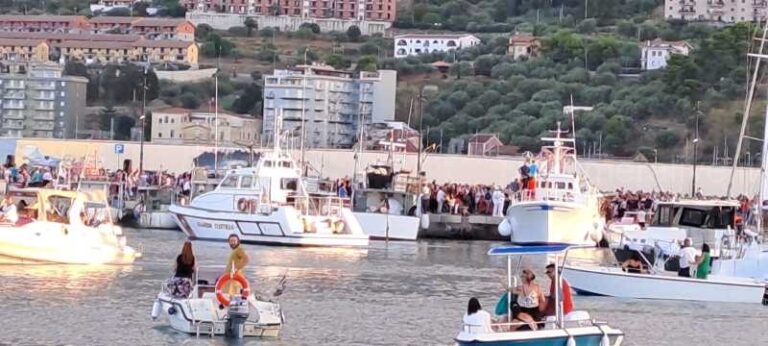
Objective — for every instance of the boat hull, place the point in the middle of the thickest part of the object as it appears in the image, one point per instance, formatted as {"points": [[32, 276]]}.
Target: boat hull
{"points": [[157, 220], [613, 282], [50, 242], [583, 336], [281, 227], [401, 227], [553, 221]]}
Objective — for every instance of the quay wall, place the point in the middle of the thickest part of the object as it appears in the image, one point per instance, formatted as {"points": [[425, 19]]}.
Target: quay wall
{"points": [[606, 174]]}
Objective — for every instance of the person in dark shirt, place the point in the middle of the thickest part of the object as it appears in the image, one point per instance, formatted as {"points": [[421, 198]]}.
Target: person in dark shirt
{"points": [[185, 262]]}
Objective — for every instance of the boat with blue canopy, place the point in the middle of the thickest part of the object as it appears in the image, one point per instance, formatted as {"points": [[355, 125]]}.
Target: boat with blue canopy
{"points": [[576, 328]]}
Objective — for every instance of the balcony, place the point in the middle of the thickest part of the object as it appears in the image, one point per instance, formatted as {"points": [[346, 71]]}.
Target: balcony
{"points": [[13, 106], [714, 3], [45, 96], [44, 86], [16, 85], [15, 95], [13, 114], [16, 126], [45, 107], [45, 126], [759, 3], [687, 9], [44, 116]]}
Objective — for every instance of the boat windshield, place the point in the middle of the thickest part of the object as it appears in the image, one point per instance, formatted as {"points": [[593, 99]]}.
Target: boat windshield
{"points": [[695, 216]]}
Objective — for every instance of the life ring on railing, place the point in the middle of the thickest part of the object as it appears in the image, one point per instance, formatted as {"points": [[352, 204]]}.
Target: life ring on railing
{"points": [[224, 279]]}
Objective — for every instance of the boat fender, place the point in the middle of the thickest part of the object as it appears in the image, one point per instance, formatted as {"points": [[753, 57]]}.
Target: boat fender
{"points": [[571, 341], [171, 311], [224, 279], [505, 228], [156, 307], [425, 221], [605, 341]]}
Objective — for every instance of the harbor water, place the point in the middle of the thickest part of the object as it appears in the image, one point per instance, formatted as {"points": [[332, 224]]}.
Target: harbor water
{"points": [[393, 293]]}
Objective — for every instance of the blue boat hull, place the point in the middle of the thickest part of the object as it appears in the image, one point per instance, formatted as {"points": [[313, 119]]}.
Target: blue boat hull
{"points": [[585, 340]]}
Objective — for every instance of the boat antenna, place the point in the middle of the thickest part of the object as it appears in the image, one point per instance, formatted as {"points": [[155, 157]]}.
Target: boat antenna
{"points": [[748, 106], [573, 128]]}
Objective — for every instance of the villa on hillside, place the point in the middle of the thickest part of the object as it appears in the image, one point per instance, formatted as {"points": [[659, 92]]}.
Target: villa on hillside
{"points": [[523, 45], [655, 54], [415, 44]]}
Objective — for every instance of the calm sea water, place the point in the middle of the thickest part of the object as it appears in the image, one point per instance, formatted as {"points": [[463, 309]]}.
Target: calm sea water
{"points": [[389, 294]]}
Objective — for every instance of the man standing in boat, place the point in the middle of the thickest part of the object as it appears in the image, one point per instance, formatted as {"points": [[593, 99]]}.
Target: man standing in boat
{"points": [[567, 298], [688, 257], [238, 259]]}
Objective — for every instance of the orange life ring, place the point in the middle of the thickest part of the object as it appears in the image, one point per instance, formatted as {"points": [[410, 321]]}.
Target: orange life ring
{"points": [[224, 279]]}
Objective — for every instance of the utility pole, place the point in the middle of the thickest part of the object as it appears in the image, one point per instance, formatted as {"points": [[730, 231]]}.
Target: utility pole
{"points": [[143, 120], [421, 129], [695, 146]]}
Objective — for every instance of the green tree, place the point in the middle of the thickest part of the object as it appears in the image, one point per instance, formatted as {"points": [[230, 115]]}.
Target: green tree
{"points": [[354, 33], [311, 26], [249, 100], [251, 25]]}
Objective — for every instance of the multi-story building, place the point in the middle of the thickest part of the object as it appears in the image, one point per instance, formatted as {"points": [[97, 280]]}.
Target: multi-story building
{"points": [[108, 5], [150, 28], [18, 50], [44, 23], [415, 44], [655, 54], [728, 11], [184, 126], [523, 45], [377, 10], [331, 104], [39, 101]]}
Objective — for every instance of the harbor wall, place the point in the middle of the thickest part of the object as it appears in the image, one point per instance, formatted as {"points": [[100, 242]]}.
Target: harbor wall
{"points": [[605, 174]]}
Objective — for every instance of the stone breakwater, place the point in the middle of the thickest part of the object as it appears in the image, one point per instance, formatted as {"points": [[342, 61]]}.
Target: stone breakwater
{"points": [[605, 174]]}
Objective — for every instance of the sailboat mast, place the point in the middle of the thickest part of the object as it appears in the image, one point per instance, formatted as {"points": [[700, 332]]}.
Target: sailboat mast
{"points": [[747, 107]]}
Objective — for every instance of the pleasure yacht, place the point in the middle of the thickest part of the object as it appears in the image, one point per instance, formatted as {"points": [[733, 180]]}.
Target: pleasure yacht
{"points": [[563, 207], [269, 204], [64, 227]]}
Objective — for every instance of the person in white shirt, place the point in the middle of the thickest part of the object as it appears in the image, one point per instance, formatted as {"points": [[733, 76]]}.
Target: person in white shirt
{"points": [[477, 320], [498, 201], [395, 207], [688, 257], [440, 200], [9, 212]]}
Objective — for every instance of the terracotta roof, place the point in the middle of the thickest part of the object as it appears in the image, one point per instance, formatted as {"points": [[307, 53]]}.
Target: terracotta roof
{"points": [[522, 38], [113, 19], [43, 18], [482, 138], [19, 42], [162, 44], [159, 22], [94, 44], [441, 64], [57, 36]]}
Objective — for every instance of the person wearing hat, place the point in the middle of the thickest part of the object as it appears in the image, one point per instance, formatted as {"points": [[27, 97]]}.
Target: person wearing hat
{"points": [[8, 209]]}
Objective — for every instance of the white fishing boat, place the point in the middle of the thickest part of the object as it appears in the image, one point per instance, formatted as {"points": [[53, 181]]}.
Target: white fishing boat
{"points": [[575, 328], [387, 206], [268, 204], [64, 227], [207, 310], [563, 207], [613, 282]]}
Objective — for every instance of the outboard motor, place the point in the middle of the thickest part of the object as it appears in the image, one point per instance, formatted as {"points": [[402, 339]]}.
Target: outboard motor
{"points": [[236, 317]]}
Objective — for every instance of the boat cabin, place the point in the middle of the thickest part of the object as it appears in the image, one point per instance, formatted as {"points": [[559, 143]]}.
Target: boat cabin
{"points": [[704, 221], [66, 207], [276, 177]]}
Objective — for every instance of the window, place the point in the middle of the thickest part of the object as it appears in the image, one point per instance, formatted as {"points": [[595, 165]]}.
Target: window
{"points": [[289, 184], [246, 181], [693, 217], [171, 134], [229, 181], [159, 135], [663, 216]]}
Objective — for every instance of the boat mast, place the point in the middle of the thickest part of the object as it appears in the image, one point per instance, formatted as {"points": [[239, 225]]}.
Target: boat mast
{"points": [[763, 166], [748, 106]]}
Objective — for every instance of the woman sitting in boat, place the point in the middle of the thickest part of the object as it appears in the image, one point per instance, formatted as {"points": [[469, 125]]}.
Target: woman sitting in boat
{"points": [[477, 320], [633, 265], [181, 284], [528, 307]]}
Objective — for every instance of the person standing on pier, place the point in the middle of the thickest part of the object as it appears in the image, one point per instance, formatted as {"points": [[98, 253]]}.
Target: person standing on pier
{"points": [[498, 201]]}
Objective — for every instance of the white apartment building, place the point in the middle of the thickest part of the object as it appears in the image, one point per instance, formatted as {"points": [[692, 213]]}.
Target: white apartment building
{"points": [[655, 54], [415, 44], [184, 126], [332, 103], [728, 11]]}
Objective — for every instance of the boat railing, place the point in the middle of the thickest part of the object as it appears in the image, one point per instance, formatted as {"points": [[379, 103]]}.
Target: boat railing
{"points": [[328, 206], [549, 324], [544, 194]]}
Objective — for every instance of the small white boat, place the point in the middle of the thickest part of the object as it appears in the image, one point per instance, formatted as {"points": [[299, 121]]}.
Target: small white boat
{"points": [[64, 227], [150, 211], [564, 207], [268, 204], [613, 282], [576, 328], [207, 311]]}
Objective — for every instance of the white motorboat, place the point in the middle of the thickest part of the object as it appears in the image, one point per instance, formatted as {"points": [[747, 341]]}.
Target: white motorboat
{"points": [[151, 209], [269, 204], [64, 227], [206, 310], [575, 328], [563, 207], [613, 282], [387, 208]]}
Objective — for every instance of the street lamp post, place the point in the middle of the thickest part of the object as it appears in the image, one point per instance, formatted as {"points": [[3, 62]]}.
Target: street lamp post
{"points": [[695, 147]]}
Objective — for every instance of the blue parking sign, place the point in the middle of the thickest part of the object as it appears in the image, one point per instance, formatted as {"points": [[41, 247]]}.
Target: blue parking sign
{"points": [[119, 148]]}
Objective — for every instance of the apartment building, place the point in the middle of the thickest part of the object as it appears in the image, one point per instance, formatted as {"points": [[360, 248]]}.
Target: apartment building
{"points": [[655, 54], [415, 44], [376, 10], [728, 11], [332, 104], [184, 126], [43, 23], [39, 101], [152, 51], [149, 28], [19, 50]]}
